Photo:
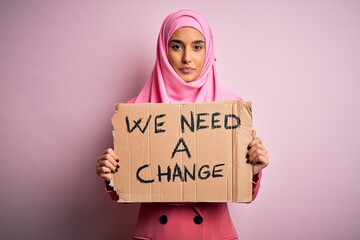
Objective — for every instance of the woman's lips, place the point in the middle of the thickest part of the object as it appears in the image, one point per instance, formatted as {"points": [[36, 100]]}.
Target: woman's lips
{"points": [[186, 70]]}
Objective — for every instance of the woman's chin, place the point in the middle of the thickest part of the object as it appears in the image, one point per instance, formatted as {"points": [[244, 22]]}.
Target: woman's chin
{"points": [[188, 79]]}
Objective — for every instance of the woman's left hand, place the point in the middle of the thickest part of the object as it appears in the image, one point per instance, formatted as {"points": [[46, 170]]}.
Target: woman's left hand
{"points": [[257, 154]]}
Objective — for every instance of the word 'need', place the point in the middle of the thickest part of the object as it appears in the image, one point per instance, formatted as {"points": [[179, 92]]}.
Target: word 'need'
{"points": [[194, 122]]}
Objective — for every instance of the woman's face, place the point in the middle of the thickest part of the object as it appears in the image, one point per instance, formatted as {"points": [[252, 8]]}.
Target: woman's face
{"points": [[186, 53]]}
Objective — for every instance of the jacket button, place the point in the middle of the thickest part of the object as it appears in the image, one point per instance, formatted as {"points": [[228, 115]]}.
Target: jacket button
{"points": [[163, 219], [198, 219]]}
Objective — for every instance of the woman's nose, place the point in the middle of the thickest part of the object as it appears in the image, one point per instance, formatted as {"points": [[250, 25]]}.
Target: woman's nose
{"points": [[186, 57]]}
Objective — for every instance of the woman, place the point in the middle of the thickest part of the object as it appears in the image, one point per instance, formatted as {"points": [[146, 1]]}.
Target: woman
{"points": [[185, 72]]}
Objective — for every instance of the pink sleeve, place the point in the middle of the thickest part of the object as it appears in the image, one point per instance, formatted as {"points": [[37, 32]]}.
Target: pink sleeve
{"points": [[111, 191], [256, 185]]}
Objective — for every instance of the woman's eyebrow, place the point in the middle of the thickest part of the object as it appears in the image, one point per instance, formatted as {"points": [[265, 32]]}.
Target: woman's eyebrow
{"points": [[198, 41], [176, 41], [181, 42]]}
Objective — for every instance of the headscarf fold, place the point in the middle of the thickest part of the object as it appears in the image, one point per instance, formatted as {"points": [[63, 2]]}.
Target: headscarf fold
{"points": [[165, 85]]}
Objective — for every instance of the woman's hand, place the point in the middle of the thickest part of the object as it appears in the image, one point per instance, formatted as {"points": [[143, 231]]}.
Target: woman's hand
{"points": [[257, 154], [107, 163]]}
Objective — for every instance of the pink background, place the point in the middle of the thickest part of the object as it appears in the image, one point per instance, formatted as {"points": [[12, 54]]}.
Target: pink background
{"points": [[64, 64]]}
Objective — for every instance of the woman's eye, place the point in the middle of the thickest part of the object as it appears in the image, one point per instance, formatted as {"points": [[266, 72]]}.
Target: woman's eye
{"points": [[176, 47], [198, 47]]}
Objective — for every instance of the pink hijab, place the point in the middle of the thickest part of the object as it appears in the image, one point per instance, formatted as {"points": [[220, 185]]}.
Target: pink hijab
{"points": [[164, 85]]}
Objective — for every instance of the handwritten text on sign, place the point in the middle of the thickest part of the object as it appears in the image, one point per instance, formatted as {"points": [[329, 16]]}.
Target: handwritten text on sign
{"points": [[180, 152]]}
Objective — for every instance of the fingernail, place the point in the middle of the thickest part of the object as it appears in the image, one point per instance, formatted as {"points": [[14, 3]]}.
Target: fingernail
{"points": [[117, 160], [117, 166], [247, 155], [116, 170], [247, 161], [112, 171], [248, 148]]}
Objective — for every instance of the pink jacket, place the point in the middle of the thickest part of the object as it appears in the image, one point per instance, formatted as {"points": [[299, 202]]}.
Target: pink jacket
{"points": [[192, 221]]}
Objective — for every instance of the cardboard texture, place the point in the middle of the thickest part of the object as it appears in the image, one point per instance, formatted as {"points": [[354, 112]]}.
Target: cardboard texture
{"points": [[184, 152]]}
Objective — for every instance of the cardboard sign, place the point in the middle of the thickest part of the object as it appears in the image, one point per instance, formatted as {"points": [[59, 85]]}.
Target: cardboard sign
{"points": [[185, 152]]}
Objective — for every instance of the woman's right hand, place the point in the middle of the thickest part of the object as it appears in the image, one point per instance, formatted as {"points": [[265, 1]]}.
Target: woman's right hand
{"points": [[107, 163]]}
